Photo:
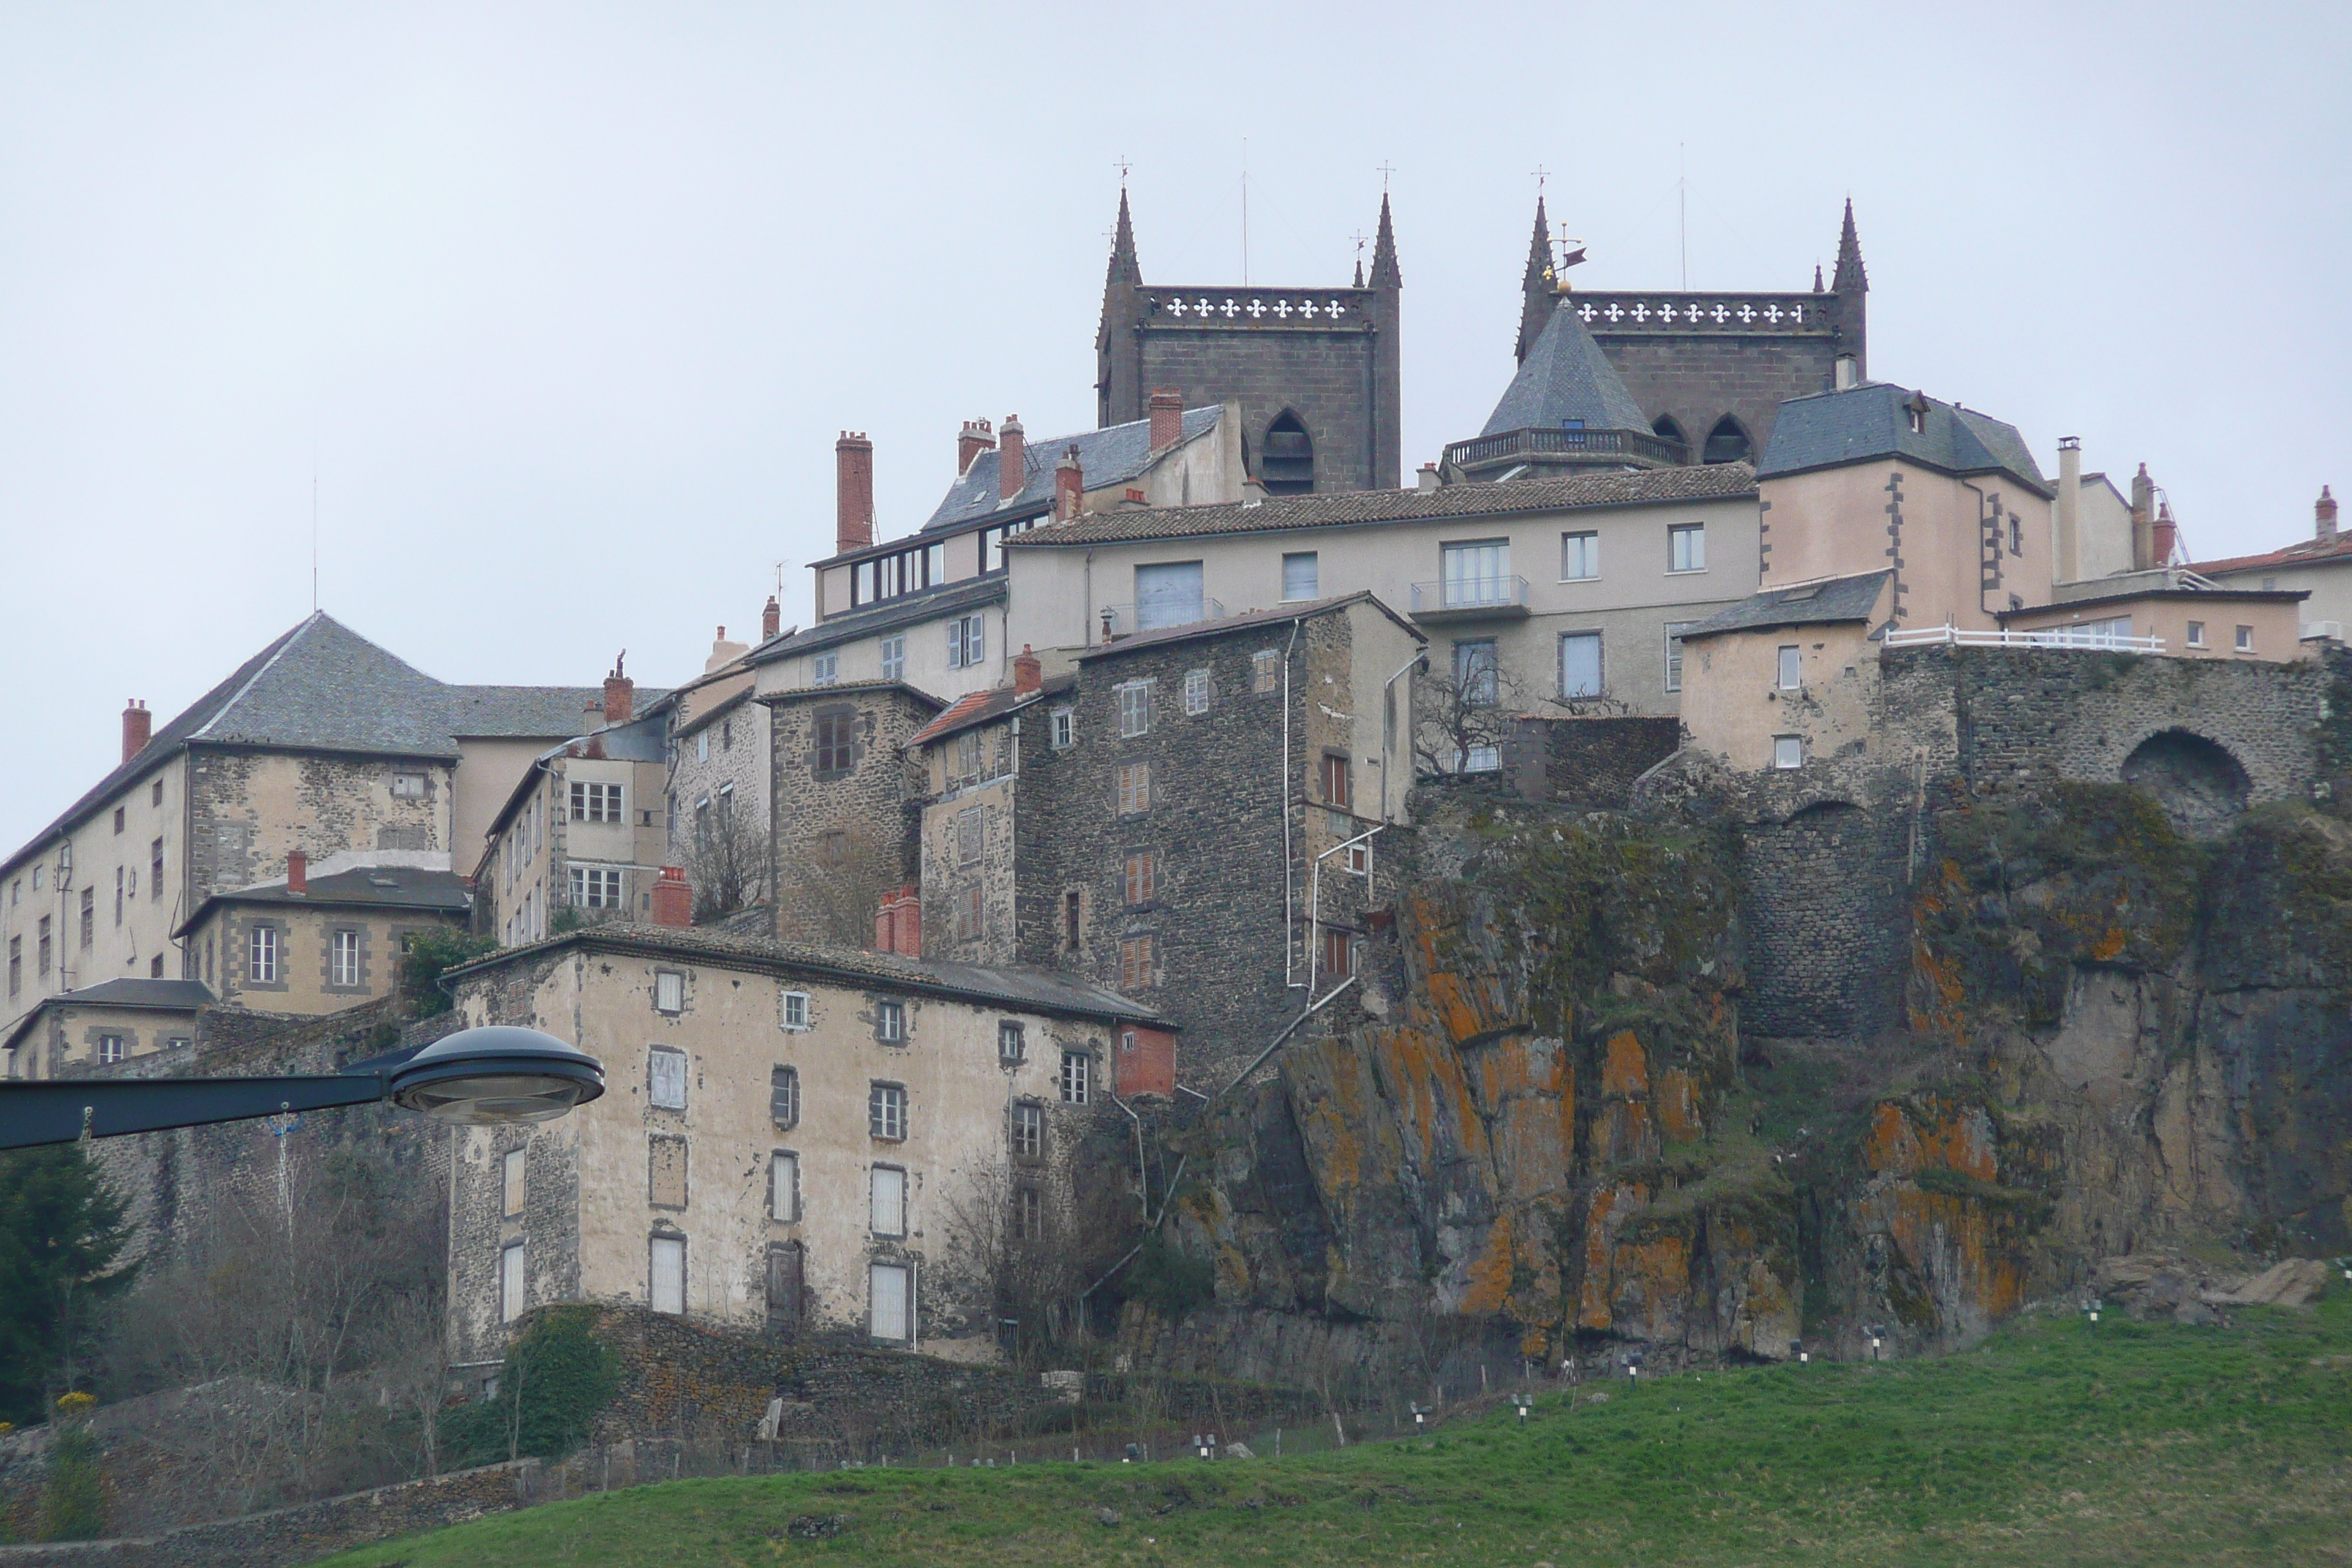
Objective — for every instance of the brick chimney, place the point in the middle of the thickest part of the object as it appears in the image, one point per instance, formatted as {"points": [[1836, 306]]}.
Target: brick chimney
{"points": [[977, 437], [1028, 671], [2142, 521], [620, 692], [673, 897], [2323, 525], [2162, 535], [1166, 417], [297, 871], [772, 619], [138, 724], [899, 922], [1069, 486], [852, 460], [1012, 458]]}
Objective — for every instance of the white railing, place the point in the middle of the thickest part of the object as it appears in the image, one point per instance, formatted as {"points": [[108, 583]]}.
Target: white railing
{"points": [[2050, 636]]}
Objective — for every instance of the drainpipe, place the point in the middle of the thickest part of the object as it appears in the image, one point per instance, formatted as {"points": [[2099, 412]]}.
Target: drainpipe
{"points": [[1289, 897]]}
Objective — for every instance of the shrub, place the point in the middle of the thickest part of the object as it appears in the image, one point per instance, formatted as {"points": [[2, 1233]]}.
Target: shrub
{"points": [[1166, 1281], [428, 956], [556, 1377]]}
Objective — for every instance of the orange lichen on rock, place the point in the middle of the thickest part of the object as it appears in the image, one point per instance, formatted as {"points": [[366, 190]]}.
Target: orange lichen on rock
{"points": [[1677, 1107], [1652, 1279], [2111, 944], [1626, 1067]]}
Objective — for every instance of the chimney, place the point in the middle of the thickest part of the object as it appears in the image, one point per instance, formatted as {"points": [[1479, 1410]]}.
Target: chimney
{"points": [[2069, 508], [1028, 671], [853, 463], [2162, 536], [1428, 476], [899, 922], [976, 437], [2142, 521], [138, 724], [673, 897], [2322, 522], [1166, 417], [297, 872], [1844, 376], [1012, 458], [620, 692], [1069, 486], [772, 619]]}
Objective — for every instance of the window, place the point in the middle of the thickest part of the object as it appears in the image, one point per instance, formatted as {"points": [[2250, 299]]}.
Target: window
{"points": [[1012, 1044], [511, 1183], [1687, 547], [668, 1282], [409, 786], [1063, 728], [1359, 859], [1339, 953], [1580, 557], [887, 1201], [890, 1022], [1027, 1220], [118, 819], [155, 869], [1579, 664], [1169, 594], [727, 736], [177, 1043], [118, 897], [1338, 783], [886, 1112], [894, 658], [1142, 877], [1476, 674], [596, 802], [1028, 1131], [1196, 692], [785, 1096], [702, 747], [1478, 572], [109, 1048], [44, 970], [968, 920], [155, 792], [1914, 416], [1262, 669], [794, 1010], [596, 887], [1674, 630], [1134, 962], [824, 669], [969, 824], [1073, 915], [511, 1282], [666, 1078], [784, 1273], [889, 1301], [1134, 788], [88, 915], [1078, 1071], [2197, 634], [343, 959], [964, 760], [2016, 534], [967, 643], [1300, 575], [1792, 672], [1135, 707], [784, 1187], [836, 736], [1788, 751], [155, 967], [261, 955], [15, 964], [2245, 645]]}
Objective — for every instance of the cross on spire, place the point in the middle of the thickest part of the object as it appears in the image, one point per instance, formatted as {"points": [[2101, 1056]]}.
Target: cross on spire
{"points": [[1542, 174], [1386, 170], [1122, 165]]}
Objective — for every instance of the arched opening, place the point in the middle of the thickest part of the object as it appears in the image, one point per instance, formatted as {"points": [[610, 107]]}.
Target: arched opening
{"points": [[1726, 443], [2201, 786], [1286, 460], [1665, 428]]}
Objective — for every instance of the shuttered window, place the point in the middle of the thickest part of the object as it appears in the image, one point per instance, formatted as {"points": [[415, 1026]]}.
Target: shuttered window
{"points": [[668, 1260]]}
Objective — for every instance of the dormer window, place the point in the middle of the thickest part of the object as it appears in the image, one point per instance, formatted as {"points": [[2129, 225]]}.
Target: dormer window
{"points": [[1914, 413]]}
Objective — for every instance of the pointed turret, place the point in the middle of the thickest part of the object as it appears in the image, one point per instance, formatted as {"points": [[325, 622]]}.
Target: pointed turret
{"points": [[1535, 309], [1384, 256], [1850, 278], [1124, 268]]}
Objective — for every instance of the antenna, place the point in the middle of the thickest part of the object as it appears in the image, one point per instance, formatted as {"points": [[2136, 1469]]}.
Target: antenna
{"points": [[1682, 196], [1244, 212], [314, 539]]}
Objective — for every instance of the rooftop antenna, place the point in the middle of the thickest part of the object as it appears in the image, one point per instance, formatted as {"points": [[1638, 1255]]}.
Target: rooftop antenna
{"points": [[314, 539], [1244, 212], [1681, 195]]}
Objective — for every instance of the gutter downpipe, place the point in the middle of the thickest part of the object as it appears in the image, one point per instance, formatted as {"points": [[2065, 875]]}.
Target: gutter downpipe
{"points": [[1289, 895]]}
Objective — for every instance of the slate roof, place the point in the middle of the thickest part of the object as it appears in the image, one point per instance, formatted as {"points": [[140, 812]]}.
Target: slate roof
{"points": [[1717, 481], [980, 706], [1804, 605], [530, 711], [158, 996], [1254, 618], [375, 887], [1829, 430], [940, 600], [1566, 378], [1034, 989], [1108, 456]]}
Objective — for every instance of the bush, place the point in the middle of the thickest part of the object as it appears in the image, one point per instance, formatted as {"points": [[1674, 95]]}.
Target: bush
{"points": [[428, 956], [1166, 1281], [556, 1377], [74, 1508]]}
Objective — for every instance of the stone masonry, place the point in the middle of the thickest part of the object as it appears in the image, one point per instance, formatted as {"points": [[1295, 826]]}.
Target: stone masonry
{"points": [[842, 836]]}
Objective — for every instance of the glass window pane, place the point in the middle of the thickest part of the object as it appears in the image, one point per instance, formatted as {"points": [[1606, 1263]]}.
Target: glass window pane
{"points": [[887, 1287], [668, 1294], [1300, 575], [1579, 664]]}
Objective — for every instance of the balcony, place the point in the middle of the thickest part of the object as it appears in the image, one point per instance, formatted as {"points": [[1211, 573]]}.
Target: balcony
{"points": [[1471, 598], [1548, 448], [1126, 620]]}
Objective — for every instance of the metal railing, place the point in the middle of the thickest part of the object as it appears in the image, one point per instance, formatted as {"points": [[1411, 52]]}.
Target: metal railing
{"points": [[2050, 636], [1470, 594], [1543, 441], [1125, 620]]}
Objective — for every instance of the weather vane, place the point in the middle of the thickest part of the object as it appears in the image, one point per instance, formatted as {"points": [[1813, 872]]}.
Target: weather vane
{"points": [[1122, 165], [1386, 170]]}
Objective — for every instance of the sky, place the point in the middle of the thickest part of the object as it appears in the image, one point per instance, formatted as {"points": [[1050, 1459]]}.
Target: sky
{"points": [[555, 312]]}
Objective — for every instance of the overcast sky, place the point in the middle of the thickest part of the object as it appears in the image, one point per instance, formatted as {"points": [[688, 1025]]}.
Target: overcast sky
{"points": [[564, 307]]}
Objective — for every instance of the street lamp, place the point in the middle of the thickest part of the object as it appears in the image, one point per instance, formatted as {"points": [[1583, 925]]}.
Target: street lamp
{"points": [[1877, 1332], [475, 1077], [1522, 1401], [1797, 1347], [1632, 1362]]}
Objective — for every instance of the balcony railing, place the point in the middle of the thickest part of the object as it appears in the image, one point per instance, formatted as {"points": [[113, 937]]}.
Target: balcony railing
{"points": [[2088, 637], [1543, 441], [1501, 595], [1121, 620]]}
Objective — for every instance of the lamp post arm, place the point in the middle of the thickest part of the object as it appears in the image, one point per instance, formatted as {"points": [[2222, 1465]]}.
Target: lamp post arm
{"points": [[58, 1110]]}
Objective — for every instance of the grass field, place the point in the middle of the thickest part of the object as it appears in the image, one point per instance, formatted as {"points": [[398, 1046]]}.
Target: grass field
{"points": [[2057, 1442]]}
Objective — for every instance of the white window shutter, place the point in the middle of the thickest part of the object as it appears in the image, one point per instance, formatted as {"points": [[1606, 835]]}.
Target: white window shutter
{"points": [[668, 1274], [887, 1286]]}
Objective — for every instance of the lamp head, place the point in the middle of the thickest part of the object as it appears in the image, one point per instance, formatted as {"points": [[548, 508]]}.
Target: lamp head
{"points": [[497, 1075]]}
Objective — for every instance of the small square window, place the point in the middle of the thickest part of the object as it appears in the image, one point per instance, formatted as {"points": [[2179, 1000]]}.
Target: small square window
{"points": [[2197, 634], [110, 1049], [666, 1078], [1196, 692], [785, 1096], [2245, 639], [669, 991], [1791, 669], [1077, 1074], [1063, 728], [824, 669], [795, 1010], [1012, 1045], [1687, 547], [886, 1112], [1262, 670], [890, 1022], [1788, 751]]}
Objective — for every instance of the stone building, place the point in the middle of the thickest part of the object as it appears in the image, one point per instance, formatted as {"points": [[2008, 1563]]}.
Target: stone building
{"points": [[2320, 567], [109, 1022], [843, 809], [715, 811], [790, 1137]]}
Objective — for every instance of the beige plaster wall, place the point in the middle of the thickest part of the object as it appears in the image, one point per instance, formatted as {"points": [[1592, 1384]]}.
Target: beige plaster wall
{"points": [[1733, 706], [2275, 623], [68, 1036], [1832, 522], [2329, 584], [487, 772], [221, 951], [927, 659]]}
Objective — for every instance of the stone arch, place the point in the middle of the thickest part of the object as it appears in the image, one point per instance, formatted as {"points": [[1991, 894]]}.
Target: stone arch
{"points": [[1665, 428], [2201, 786], [1729, 443], [1824, 928], [1286, 456]]}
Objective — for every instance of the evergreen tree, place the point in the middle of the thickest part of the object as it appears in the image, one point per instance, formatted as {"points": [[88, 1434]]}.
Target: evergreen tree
{"points": [[61, 1233]]}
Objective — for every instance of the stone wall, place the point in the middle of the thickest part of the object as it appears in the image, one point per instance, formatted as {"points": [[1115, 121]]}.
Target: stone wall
{"points": [[1696, 376], [246, 809], [843, 839], [1590, 761]]}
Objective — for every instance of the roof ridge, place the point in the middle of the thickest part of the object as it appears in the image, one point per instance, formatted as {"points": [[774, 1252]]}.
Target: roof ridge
{"points": [[285, 643]]}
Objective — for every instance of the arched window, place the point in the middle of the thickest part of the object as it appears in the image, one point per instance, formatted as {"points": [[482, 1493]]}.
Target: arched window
{"points": [[1287, 462], [1666, 429], [1726, 443]]}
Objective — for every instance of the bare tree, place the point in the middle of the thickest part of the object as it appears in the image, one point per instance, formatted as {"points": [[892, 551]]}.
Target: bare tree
{"points": [[727, 858], [1462, 717], [853, 867]]}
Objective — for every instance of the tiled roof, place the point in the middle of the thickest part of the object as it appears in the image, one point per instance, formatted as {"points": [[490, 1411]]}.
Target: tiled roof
{"points": [[980, 706], [1034, 989], [1717, 481], [1862, 424], [1806, 604], [1566, 378], [2333, 551], [1108, 456], [1219, 628], [942, 599]]}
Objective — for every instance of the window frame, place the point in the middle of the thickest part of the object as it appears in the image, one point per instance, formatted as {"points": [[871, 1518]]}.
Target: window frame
{"points": [[784, 1096], [654, 1057], [111, 1048], [1012, 1042], [1585, 542], [1198, 692], [894, 658], [890, 1020], [1134, 707], [1140, 877], [788, 1212], [514, 1181], [260, 968], [1134, 785], [1599, 664], [874, 1269], [1028, 1140], [1138, 961], [666, 981], [1678, 535], [970, 836], [1338, 779], [343, 942], [1788, 753], [1674, 631], [888, 1111], [825, 669], [2244, 642], [833, 735], [1788, 668], [2196, 634], [514, 1280], [786, 1012], [1314, 574], [1076, 1079], [874, 1184], [655, 1243], [1262, 668], [1062, 729]]}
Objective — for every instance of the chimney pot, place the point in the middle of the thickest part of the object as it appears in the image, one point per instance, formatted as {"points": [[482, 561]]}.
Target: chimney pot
{"points": [[1428, 476], [853, 462], [2323, 513], [976, 437], [673, 897], [1069, 486], [1012, 458], [138, 724], [2162, 536], [620, 694], [297, 871], [1166, 417], [1028, 671], [772, 619]]}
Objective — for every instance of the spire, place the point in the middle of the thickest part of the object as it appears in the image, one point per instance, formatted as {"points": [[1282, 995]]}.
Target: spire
{"points": [[1384, 256], [1566, 382], [1850, 278], [1124, 268], [1535, 308], [1817, 277]]}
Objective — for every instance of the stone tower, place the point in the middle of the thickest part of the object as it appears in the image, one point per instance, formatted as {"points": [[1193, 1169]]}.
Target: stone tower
{"points": [[1315, 370]]}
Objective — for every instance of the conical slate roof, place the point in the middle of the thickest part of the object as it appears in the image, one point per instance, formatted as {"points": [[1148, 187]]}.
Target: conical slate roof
{"points": [[1566, 377]]}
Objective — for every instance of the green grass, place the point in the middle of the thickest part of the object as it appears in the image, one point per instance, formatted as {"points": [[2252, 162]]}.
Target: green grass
{"points": [[2054, 1442]]}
